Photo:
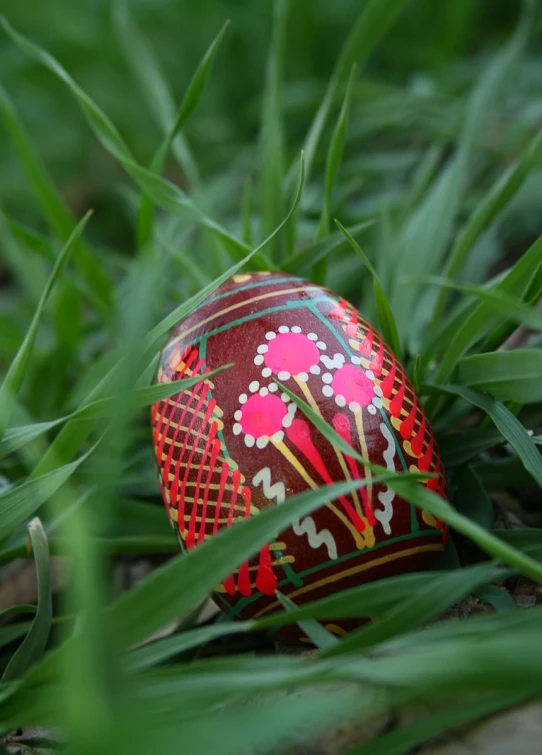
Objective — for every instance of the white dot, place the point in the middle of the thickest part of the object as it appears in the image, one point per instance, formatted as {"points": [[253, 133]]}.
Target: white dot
{"points": [[243, 398], [354, 406], [312, 336], [273, 387], [340, 400], [321, 345], [327, 390], [253, 387], [355, 360], [303, 376], [371, 409], [370, 374], [270, 335], [378, 391], [287, 420], [237, 428], [296, 329], [283, 375], [238, 414], [258, 360], [249, 440], [278, 437], [264, 391], [263, 348], [315, 369], [284, 329], [285, 397], [327, 377], [377, 402], [266, 372], [262, 441]]}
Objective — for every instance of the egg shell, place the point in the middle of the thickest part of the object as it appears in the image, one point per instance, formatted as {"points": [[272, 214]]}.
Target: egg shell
{"points": [[235, 443]]}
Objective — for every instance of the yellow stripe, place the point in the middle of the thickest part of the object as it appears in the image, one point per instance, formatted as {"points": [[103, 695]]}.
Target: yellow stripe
{"points": [[353, 570], [231, 308]]}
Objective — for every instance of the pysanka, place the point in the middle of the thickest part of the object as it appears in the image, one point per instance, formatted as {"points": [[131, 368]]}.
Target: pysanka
{"points": [[236, 443]]}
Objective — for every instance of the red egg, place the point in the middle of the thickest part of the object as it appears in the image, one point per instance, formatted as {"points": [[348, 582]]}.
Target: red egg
{"points": [[235, 444]]}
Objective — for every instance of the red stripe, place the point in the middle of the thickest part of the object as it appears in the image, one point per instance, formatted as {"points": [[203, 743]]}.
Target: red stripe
{"points": [[236, 479], [378, 360], [195, 442], [396, 404], [266, 581], [210, 473], [223, 480], [212, 435]]}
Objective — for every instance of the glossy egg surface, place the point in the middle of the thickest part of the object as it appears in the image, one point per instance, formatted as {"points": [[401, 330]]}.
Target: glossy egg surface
{"points": [[235, 444]]}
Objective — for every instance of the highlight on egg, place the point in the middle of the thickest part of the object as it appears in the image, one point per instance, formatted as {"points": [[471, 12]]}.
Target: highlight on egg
{"points": [[235, 443]]}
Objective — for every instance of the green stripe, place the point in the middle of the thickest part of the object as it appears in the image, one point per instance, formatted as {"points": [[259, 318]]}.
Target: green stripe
{"points": [[248, 287], [399, 539], [348, 350], [283, 307]]}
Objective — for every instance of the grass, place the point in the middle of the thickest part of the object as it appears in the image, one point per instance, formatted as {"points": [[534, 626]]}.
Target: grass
{"points": [[404, 177]]}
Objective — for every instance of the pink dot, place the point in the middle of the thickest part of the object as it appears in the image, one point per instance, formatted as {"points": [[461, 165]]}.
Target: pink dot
{"points": [[262, 415], [291, 352], [352, 383]]}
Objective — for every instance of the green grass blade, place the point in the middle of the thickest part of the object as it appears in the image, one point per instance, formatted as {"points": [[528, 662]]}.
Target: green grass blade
{"points": [[506, 306], [157, 599], [457, 448], [493, 202], [163, 193], [271, 138], [334, 158], [476, 321], [427, 500], [319, 636], [384, 310], [12, 382], [372, 24], [427, 603], [505, 375], [507, 424], [17, 437], [196, 87], [33, 646], [420, 248], [154, 86], [58, 216], [21, 502], [302, 262]]}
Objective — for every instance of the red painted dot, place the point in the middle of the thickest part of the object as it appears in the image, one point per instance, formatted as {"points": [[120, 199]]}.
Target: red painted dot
{"points": [[352, 383], [291, 352], [262, 415]]}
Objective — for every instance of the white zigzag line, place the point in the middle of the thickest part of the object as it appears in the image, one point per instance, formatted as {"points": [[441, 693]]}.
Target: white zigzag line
{"points": [[386, 496], [307, 526], [276, 491]]}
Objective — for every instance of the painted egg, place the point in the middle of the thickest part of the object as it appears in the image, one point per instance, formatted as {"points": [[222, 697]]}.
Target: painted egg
{"points": [[236, 443]]}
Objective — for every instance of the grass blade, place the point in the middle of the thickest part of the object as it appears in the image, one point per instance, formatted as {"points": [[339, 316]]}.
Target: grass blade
{"points": [[33, 646], [505, 375], [494, 202], [272, 151], [507, 424], [20, 502], [427, 603], [385, 313], [372, 24], [12, 382], [319, 636], [156, 600]]}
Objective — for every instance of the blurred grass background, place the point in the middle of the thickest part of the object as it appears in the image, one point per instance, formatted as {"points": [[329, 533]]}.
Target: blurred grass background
{"points": [[447, 104]]}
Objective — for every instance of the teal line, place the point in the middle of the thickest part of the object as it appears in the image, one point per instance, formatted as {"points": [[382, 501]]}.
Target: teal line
{"points": [[383, 414], [256, 315], [248, 287], [399, 539], [290, 573]]}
